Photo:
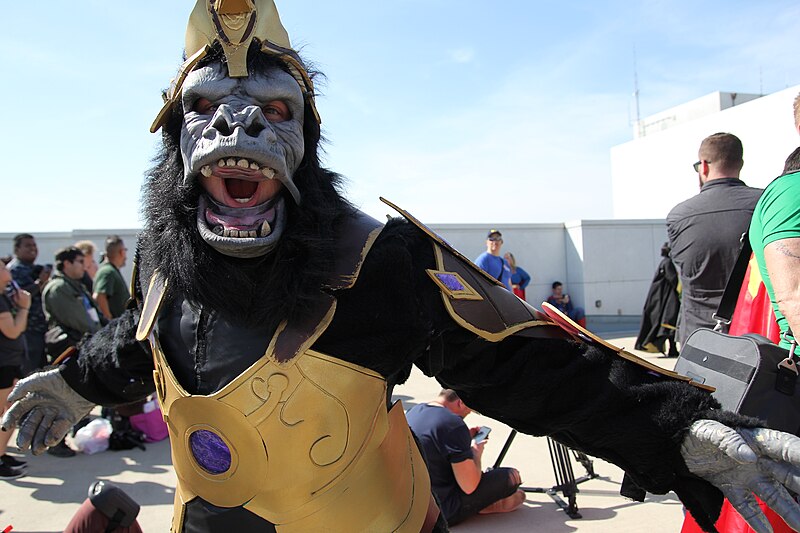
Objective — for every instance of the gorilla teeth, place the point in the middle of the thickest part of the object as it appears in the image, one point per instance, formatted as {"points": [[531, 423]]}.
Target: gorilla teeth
{"points": [[243, 234], [239, 163]]}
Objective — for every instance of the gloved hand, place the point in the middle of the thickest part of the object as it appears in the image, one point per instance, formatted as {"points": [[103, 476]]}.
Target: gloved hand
{"points": [[741, 462], [45, 409]]}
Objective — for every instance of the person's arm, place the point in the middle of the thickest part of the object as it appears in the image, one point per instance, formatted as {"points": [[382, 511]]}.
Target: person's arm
{"points": [[468, 472], [102, 302], [524, 278], [782, 258], [13, 326]]}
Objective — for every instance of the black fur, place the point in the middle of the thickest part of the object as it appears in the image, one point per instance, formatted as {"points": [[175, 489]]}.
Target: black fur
{"points": [[240, 289]]}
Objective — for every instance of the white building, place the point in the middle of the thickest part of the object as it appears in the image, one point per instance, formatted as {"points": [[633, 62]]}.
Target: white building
{"points": [[653, 172]]}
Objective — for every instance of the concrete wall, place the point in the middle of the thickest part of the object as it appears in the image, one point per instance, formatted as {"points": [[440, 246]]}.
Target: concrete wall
{"points": [[49, 243], [652, 174], [605, 265], [538, 248]]}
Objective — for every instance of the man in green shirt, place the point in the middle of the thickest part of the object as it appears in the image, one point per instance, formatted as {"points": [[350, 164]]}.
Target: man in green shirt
{"points": [[775, 238], [110, 291]]}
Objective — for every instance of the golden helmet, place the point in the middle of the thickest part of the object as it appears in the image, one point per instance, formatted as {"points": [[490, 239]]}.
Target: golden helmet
{"points": [[234, 24]]}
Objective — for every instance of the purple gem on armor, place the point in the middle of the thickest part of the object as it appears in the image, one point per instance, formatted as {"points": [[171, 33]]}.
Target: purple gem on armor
{"points": [[451, 282], [210, 451]]}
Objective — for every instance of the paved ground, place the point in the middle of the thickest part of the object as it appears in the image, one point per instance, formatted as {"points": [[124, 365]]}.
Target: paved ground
{"points": [[46, 498]]}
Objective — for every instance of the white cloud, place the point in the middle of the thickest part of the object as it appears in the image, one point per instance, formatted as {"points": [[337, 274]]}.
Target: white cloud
{"points": [[461, 55]]}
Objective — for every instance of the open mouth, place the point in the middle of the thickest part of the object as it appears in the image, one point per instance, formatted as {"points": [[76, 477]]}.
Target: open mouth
{"points": [[242, 213], [239, 182], [241, 231]]}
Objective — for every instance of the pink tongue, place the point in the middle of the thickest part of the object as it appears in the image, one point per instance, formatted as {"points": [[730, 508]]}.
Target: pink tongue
{"points": [[234, 222]]}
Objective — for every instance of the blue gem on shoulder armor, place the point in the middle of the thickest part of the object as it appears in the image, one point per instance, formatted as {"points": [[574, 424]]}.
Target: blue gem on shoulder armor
{"points": [[451, 282], [210, 452]]}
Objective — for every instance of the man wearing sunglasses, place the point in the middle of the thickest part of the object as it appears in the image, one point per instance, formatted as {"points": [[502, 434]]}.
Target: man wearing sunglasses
{"points": [[705, 230]]}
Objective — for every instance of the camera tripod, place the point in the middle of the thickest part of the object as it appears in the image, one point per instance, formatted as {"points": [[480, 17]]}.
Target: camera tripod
{"points": [[562, 468]]}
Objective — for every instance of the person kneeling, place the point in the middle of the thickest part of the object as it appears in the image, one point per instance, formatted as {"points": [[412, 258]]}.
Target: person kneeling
{"points": [[454, 462]]}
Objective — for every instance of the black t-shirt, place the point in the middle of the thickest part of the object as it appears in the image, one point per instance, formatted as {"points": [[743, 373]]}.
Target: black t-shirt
{"points": [[11, 350], [445, 439]]}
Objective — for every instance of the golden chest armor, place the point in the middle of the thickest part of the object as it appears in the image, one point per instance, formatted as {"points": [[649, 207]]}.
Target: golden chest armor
{"points": [[307, 445], [301, 439]]}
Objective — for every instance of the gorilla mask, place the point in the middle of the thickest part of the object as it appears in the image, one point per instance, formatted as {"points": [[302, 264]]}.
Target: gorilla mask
{"points": [[243, 139], [242, 130]]}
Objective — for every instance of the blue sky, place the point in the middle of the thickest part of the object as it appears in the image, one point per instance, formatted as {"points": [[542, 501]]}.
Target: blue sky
{"points": [[458, 111]]}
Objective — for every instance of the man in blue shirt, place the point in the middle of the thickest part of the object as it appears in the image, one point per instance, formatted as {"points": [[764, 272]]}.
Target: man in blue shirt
{"points": [[491, 262], [454, 462]]}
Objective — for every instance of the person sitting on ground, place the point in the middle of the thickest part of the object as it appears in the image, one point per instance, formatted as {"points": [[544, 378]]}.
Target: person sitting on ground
{"points": [[519, 278], [561, 301], [454, 462]]}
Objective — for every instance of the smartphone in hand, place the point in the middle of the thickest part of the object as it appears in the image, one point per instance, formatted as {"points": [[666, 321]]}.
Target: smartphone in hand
{"points": [[482, 434]]}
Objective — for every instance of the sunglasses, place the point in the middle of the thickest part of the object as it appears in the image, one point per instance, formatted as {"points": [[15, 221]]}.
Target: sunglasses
{"points": [[696, 166], [496, 239]]}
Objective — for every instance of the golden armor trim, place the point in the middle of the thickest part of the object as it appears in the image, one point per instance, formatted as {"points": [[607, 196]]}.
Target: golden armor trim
{"points": [[584, 335], [234, 24], [173, 94], [151, 307], [491, 336], [466, 292], [444, 244], [272, 348], [347, 281]]}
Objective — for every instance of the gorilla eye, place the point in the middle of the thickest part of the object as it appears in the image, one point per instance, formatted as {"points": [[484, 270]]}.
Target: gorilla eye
{"points": [[203, 106], [276, 111]]}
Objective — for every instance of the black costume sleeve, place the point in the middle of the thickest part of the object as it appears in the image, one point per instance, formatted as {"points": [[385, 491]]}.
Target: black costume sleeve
{"points": [[112, 368], [586, 397]]}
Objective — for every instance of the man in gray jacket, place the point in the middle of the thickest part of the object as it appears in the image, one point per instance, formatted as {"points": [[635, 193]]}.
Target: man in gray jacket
{"points": [[705, 230]]}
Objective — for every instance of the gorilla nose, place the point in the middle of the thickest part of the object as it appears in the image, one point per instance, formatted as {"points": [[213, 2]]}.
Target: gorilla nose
{"points": [[251, 119]]}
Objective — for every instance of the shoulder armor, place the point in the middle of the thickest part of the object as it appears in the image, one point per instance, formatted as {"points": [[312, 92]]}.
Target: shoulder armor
{"points": [[481, 304], [475, 300]]}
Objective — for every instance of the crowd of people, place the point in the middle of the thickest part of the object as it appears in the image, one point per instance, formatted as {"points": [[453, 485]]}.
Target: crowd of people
{"points": [[45, 310]]}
